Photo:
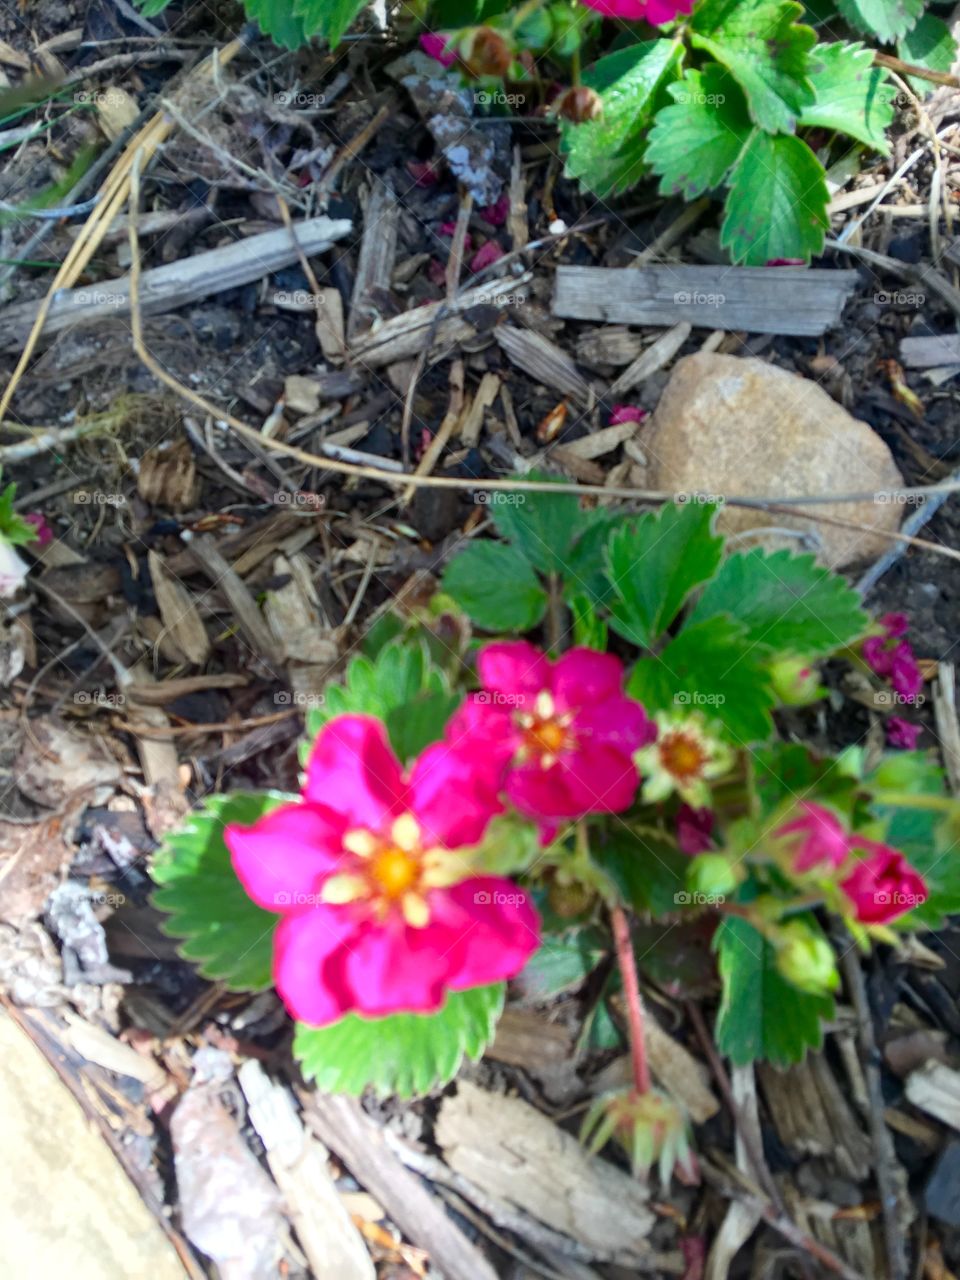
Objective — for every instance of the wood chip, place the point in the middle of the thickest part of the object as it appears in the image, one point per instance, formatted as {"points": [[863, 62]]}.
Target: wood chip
{"points": [[207, 557], [378, 250], [301, 394], [298, 1162], [597, 443], [168, 476], [514, 1152], [116, 111], [778, 300], [813, 1117], [471, 422], [657, 355], [544, 361], [179, 612], [293, 613], [929, 352], [329, 325], [935, 1088], [526, 1039]]}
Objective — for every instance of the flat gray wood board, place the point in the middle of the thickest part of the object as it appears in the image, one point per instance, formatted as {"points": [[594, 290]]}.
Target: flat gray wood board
{"points": [[789, 301]]}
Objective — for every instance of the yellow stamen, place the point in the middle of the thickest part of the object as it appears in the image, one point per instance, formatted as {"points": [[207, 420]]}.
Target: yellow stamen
{"points": [[415, 910], [344, 888], [682, 755], [394, 870], [362, 843], [405, 833]]}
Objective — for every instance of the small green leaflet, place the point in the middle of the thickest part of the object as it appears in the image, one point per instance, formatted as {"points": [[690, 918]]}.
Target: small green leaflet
{"points": [[228, 936], [930, 45], [277, 19], [853, 95], [655, 562], [403, 1054], [762, 1017], [714, 669], [495, 585], [401, 687], [784, 603], [777, 206], [694, 142], [647, 868], [886, 19], [607, 155], [761, 44], [562, 962], [327, 18], [543, 526]]}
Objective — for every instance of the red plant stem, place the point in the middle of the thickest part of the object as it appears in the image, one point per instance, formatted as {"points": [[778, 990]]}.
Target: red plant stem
{"points": [[631, 991]]}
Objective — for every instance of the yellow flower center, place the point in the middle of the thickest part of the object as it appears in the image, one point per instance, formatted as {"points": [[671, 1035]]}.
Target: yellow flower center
{"points": [[394, 872], [545, 733], [682, 755]]}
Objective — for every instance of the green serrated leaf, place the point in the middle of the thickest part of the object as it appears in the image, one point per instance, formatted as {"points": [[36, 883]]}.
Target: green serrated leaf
{"points": [[762, 1017], [767, 52], [327, 18], [562, 963], [886, 19], [647, 868], [694, 142], [404, 1054], [496, 586], [543, 526], [223, 931], [853, 96], [655, 562], [777, 206], [401, 687], [930, 45], [607, 154], [279, 20], [785, 603], [150, 8], [712, 668]]}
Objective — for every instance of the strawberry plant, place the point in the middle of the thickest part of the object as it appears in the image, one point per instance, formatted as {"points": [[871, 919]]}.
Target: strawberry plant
{"points": [[492, 809]]}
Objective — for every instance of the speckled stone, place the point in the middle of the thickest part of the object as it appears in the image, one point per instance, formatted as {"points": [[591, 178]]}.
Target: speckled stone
{"points": [[732, 426]]}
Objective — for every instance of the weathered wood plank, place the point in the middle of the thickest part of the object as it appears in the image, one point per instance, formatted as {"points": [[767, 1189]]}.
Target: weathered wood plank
{"points": [[779, 300], [929, 352]]}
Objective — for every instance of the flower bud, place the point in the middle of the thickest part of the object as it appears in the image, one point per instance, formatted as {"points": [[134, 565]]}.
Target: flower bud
{"points": [[796, 682], [486, 53], [579, 105], [711, 875], [806, 959], [651, 1127]]}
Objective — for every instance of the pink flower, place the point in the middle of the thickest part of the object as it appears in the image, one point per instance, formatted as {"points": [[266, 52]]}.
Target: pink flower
{"points": [[486, 256], [496, 214], [558, 736], [694, 828], [892, 657], [44, 533], [883, 885], [905, 676], [437, 45], [901, 733], [785, 262], [653, 11], [815, 839], [381, 913], [626, 413]]}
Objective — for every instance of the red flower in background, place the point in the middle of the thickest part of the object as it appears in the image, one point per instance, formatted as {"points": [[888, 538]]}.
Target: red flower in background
{"points": [[892, 657], [883, 885], [815, 839], [381, 913], [558, 736]]}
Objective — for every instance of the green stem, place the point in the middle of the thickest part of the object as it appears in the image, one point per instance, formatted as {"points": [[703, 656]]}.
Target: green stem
{"points": [[905, 800], [631, 991]]}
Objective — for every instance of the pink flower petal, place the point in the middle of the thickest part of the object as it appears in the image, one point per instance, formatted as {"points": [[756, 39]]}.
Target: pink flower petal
{"points": [[394, 968], [584, 676], [352, 771], [515, 668], [451, 798], [492, 928], [626, 413], [435, 45], [694, 829], [304, 947], [619, 722], [902, 734], [39, 522], [284, 858], [817, 837], [496, 214], [883, 886], [486, 256]]}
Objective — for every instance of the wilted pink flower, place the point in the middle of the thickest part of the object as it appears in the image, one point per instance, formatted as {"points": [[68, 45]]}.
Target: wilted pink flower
{"points": [[814, 839], [381, 913], [423, 172], [496, 214], [626, 413], [39, 521], [785, 262], [652, 11], [437, 45], [892, 657], [883, 885], [902, 734], [694, 829], [558, 736], [486, 256]]}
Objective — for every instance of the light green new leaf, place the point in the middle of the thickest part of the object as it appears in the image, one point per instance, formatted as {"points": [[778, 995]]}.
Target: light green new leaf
{"points": [[713, 668], [694, 142], [785, 603], [886, 19], [327, 18], [403, 1054], [655, 562], [607, 154], [762, 1016], [777, 206], [496, 586], [766, 50], [853, 96], [224, 932]]}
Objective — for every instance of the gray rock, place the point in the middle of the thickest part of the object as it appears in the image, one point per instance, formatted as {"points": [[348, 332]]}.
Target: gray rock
{"points": [[942, 1196], [740, 427]]}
